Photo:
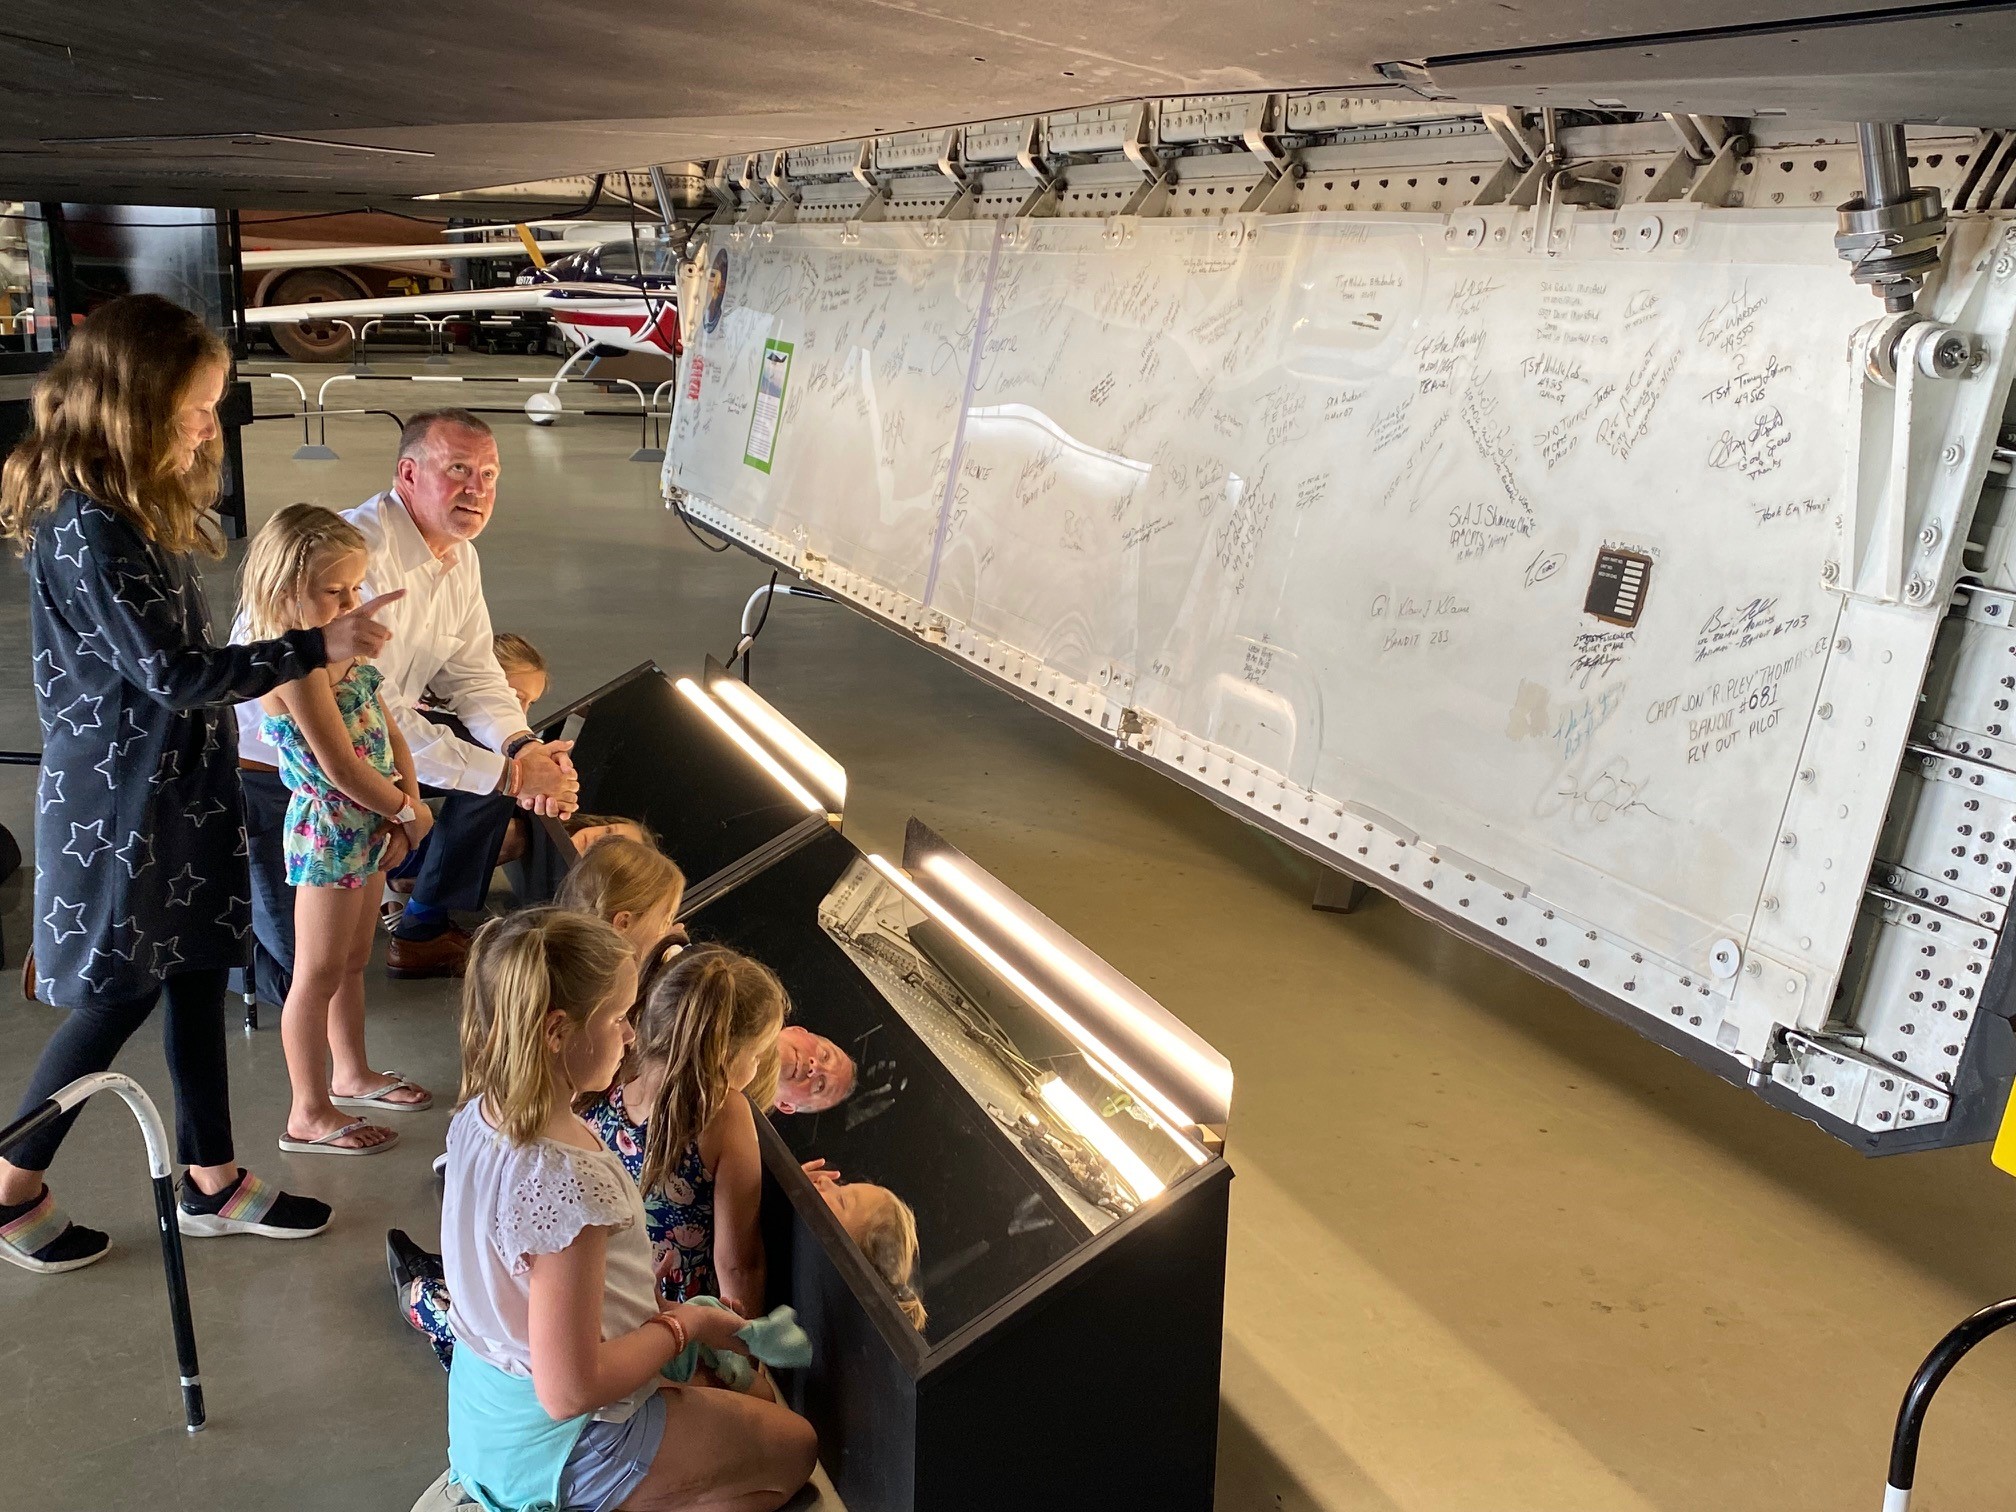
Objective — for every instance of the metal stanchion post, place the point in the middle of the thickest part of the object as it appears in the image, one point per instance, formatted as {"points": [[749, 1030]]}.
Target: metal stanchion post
{"points": [[179, 1315], [645, 452]]}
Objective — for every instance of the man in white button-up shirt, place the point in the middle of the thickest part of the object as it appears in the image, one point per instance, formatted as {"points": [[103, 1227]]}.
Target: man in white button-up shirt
{"points": [[420, 534]]}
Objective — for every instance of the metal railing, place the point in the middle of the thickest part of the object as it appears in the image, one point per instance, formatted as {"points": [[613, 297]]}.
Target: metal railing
{"points": [[162, 1172], [1939, 1364], [314, 416]]}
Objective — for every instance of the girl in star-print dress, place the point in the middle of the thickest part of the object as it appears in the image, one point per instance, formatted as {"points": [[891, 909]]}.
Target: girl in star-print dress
{"points": [[141, 879]]}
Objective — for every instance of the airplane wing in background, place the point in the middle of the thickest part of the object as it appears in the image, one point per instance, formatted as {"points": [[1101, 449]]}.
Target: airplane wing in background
{"points": [[453, 302], [587, 314], [339, 257]]}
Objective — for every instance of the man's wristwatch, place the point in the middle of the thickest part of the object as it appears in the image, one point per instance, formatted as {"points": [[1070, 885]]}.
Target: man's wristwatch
{"points": [[518, 743]]}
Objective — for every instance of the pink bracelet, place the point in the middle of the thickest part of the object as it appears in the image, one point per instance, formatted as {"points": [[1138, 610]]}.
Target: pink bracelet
{"points": [[675, 1327]]}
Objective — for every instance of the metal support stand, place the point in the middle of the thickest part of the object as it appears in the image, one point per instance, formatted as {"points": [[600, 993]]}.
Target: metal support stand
{"points": [[437, 340], [648, 449], [15, 758], [1918, 1396], [1337, 893], [163, 1174]]}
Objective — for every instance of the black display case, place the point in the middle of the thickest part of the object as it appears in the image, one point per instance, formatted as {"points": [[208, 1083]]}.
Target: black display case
{"points": [[1070, 1354], [1052, 1137], [659, 750]]}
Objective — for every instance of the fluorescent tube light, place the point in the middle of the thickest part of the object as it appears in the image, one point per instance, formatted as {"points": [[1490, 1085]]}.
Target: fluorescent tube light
{"points": [[1213, 1077], [697, 696], [1075, 1111], [785, 737]]}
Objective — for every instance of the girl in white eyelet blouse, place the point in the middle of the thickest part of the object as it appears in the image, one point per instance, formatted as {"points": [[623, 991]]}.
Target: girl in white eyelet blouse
{"points": [[555, 1400]]}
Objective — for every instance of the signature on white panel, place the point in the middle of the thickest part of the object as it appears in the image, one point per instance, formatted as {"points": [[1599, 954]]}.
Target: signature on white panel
{"points": [[1544, 566], [1601, 798]]}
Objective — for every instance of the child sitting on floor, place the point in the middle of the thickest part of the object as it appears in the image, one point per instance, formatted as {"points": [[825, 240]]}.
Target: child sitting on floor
{"points": [[523, 667], [586, 830], [633, 887], [706, 1030], [555, 1397]]}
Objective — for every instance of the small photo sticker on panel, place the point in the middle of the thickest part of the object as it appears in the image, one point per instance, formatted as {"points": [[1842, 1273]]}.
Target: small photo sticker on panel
{"points": [[1617, 587], [717, 290]]}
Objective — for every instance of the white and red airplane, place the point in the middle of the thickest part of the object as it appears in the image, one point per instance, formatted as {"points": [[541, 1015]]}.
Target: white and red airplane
{"points": [[606, 298], [586, 304]]}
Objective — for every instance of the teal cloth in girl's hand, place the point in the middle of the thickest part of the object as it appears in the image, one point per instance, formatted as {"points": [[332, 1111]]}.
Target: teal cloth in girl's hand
{"points": [[775, 1340]]}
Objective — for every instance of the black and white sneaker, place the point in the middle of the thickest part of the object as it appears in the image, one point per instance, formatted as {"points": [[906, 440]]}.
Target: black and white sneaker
{"points": [[38, 1236], [248, 1206], [406, 1262]]}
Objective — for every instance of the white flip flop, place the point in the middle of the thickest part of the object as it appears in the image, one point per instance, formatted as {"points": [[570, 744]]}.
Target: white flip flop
{"points": [[327, 1145], [378, 1101]]}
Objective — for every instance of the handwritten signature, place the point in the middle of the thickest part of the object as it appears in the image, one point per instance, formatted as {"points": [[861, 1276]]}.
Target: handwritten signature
{"points": [[1609, 793], [1544, 566]]}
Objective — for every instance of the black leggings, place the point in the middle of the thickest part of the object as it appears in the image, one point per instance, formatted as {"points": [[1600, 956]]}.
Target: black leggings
{"points": [[193, 1034]]}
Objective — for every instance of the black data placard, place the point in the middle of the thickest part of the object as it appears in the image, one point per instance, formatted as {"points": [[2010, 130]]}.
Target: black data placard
{"points": [[1617, 587]]}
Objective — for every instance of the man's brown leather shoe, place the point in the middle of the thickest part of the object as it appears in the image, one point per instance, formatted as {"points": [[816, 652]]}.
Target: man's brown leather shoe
{"points": [[443, 956]]}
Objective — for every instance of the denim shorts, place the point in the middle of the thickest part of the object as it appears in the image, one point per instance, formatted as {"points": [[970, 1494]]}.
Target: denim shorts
{"points": [[610, 1460]]}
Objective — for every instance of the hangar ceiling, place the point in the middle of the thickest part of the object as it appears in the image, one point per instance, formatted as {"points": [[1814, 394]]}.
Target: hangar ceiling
{"points": [[226, 102]]}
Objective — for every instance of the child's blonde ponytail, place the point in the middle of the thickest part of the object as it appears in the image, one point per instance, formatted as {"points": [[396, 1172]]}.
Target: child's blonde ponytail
{"points": [[701, 1011], [888, 1238], [521, 968]]}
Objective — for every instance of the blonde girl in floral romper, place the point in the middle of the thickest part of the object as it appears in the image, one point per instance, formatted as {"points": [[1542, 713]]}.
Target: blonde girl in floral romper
{"points": [[356, 810]]}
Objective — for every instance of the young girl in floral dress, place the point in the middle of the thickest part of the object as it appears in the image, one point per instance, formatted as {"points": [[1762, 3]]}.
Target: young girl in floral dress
{"points": [[356, 809], [706, 1044]]}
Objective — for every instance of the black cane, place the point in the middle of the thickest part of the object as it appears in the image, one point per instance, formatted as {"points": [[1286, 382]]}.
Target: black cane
{"points": [[163, 1173]]}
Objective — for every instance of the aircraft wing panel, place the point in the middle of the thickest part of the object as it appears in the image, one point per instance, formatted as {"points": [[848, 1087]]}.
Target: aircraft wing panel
{"points": [[1510, 581]]}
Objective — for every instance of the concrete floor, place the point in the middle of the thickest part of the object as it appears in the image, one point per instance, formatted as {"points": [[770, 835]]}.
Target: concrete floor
{"points": [[1491, 1252]]}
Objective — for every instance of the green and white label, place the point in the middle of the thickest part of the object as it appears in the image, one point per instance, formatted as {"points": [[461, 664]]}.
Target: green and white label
{"points": [[769, 412]]}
